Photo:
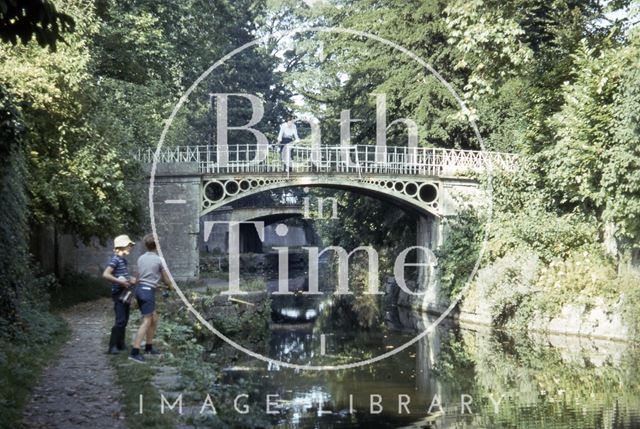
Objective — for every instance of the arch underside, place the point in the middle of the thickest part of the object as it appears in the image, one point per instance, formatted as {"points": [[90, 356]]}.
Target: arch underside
{"points": [[418, 194], [271, 218]]}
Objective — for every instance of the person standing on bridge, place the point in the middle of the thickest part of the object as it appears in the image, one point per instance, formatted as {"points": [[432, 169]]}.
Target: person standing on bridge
{"points": [[288, 133]]}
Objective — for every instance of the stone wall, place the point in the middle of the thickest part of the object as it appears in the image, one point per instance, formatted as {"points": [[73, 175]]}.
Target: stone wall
{"points": [[61, 253], [176, 202], [600, 321], [246, 316], [177, 225]]}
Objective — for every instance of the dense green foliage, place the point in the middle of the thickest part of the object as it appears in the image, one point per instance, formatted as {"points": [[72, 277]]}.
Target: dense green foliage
{"points": [[555, 81], [107, 90], [580, 141], [76, 173], [577, 192], [33, 18], [593, 167], [28, 333], [342, 71]]}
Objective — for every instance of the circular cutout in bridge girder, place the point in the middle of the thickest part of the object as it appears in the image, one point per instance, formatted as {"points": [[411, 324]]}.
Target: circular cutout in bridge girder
{"points": [[214, 191], [231, 187], [411, 189], [428, 193]]}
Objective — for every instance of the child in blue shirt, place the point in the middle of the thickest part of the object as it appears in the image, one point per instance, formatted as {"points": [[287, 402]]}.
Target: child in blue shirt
{"points": [[117, 273]]}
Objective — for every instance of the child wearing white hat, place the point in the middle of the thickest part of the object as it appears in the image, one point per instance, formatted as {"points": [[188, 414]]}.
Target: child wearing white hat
{"points": [[117, 272]]}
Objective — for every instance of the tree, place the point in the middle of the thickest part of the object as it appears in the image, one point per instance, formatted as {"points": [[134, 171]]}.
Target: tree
{"points": [[27, 18], [351, 69], [594, 163], [76, 177], [107, 91]]}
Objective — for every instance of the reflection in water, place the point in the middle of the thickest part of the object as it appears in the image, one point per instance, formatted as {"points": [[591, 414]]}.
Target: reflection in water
{"points": [[295, 308], [451, 378]]}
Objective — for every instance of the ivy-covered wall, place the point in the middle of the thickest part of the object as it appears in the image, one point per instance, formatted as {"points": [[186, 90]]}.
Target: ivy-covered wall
{"points": [[14, 233]]}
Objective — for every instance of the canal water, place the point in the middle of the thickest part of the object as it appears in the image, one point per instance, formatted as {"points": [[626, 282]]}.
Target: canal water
{"points": [[454, 377]]}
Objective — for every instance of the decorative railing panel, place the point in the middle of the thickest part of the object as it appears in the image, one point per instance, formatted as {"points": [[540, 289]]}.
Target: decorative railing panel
{"points": [[362, 159]]}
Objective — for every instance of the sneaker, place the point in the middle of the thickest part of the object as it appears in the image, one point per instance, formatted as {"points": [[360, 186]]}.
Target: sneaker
{"points": [[152, 352], [137, 358]]}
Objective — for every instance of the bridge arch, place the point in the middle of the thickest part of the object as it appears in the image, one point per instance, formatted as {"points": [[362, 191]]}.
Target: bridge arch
{"points": [[421, 195], [268, 215]]}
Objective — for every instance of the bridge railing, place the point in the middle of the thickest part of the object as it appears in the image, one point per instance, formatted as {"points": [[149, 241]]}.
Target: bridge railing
{"points": [[362, 159]]}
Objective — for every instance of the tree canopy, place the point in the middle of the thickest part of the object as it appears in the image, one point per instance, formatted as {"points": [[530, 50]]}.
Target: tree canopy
{"points": [[552, 80], [24, 19], [106, 91]]}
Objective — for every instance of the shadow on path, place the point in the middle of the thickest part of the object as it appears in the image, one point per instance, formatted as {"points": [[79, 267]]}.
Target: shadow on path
{"points": [[77, 388]]}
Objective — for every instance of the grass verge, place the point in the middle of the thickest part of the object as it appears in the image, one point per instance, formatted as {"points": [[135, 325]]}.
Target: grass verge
{"points": [[23, 355], [135, 379]]}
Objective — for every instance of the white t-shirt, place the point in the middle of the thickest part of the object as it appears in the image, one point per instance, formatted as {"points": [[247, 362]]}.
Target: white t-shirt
{"points": [[288, 130]]}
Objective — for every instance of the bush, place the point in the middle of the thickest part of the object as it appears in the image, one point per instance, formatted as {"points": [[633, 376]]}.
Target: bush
{"points": [[459, 253], [75, 288], [26, 344], [524, 218], [628, 283], [548, 235], [29, 334], [582, 276], [503, 287]]}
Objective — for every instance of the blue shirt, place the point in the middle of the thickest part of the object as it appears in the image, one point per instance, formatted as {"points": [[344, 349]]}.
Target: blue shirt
{"points": [[119, 265]]}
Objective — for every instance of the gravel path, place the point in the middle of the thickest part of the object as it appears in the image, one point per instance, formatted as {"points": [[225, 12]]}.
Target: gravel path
{"points": [[77, 389]]}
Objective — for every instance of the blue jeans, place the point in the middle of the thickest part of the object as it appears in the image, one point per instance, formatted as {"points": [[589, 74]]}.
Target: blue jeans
{"points": [[121, 309]]}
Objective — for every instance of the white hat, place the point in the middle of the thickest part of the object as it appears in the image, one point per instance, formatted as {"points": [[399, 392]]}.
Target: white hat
{"points": [[122, 241]]}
